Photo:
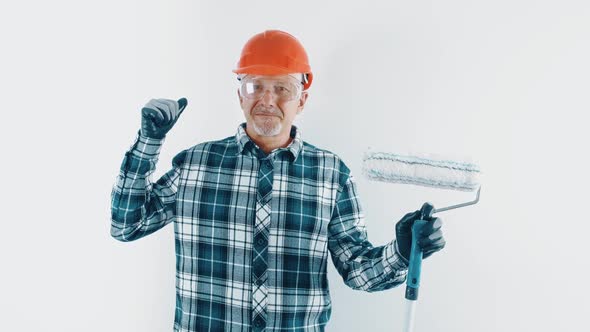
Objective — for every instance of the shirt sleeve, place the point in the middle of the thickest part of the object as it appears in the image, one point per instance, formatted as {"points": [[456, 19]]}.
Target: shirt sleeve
{"points": [[361, 265], [138, 207]]}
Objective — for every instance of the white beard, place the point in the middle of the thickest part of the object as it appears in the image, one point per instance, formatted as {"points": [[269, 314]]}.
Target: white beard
{"points": [[268, 128]]}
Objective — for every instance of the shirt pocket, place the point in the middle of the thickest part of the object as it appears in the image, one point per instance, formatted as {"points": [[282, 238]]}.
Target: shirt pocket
{"points": [[308, 208]]}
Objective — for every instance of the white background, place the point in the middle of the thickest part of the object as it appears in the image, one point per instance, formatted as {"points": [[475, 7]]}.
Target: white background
{"points": [[504, 83]]}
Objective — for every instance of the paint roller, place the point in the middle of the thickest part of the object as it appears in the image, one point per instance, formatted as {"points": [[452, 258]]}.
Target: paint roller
{"points": [[432, 172]]}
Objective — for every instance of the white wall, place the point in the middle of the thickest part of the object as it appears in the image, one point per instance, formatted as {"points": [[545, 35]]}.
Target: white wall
{"points": [[503, 82]]}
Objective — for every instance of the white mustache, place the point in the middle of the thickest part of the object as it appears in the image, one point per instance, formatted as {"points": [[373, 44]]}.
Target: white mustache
{"points": [[267, 112]]}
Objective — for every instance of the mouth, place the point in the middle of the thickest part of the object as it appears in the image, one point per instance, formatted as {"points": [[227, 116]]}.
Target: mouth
{"points": [[266, 114]]}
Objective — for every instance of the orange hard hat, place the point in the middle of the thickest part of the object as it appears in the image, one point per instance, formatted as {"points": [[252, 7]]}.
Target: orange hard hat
{"points": [[274, 52]]}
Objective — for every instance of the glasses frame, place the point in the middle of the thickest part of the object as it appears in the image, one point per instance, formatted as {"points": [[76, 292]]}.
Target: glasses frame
{"points": [[246, 79]]}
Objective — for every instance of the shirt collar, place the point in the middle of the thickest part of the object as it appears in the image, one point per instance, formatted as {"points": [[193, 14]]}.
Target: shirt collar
{"points": [[245, 143]]}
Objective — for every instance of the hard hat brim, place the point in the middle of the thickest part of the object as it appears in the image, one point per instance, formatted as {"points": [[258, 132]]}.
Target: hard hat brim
{"points": [[263, 70]]}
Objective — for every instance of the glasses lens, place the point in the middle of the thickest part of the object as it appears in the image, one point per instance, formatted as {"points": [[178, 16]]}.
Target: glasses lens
{"points": [[283, 89]]}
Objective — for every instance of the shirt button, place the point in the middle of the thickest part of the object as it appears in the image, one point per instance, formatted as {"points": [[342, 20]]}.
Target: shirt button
{"points": [[261, 241], [259, 281]]}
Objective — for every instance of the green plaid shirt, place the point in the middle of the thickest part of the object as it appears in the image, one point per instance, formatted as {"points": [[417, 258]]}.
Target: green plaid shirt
{"points": [[249, 259]]}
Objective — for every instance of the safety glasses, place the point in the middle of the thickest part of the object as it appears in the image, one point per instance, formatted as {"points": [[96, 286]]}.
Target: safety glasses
{"points": [[284, 88]]}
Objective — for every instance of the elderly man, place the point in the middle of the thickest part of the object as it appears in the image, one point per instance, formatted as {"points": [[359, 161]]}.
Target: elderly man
{"points": [[257, 213]]}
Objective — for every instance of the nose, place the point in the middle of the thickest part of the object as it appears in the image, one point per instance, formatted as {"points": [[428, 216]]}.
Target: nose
{"points": [[267, 98]]}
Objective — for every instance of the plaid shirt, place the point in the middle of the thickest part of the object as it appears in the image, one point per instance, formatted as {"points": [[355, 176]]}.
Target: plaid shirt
{"points": [[253, 231]]}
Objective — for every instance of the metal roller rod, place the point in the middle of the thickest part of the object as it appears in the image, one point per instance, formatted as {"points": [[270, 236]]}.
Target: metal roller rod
{"points": [[458, 205]]}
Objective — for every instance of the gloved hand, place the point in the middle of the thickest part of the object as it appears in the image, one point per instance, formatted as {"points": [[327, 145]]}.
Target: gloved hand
{"points": [[430, 240], [158, 116]]}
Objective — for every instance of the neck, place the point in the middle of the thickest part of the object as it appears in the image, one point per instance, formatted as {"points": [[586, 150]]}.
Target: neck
{"points": [[270, 143]]}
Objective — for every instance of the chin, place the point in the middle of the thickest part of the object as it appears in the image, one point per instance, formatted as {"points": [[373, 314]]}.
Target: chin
{"points": [[267, 130]]}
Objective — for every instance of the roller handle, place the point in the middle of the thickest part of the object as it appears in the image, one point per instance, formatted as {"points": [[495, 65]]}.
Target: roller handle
{"points": [[415, 264]]}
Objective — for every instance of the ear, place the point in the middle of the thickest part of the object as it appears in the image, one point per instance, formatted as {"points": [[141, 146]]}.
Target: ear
{"points": [[302, 101], [239, 96]]}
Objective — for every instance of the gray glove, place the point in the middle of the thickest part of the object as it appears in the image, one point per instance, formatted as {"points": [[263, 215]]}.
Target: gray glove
{"points": [[430, 240], [158, 116]]}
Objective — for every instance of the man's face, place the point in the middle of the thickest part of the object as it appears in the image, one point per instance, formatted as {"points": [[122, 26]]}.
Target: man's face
{"points": [[271, 103]]}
